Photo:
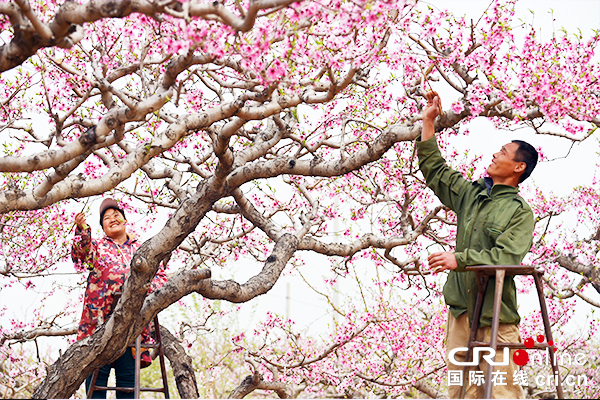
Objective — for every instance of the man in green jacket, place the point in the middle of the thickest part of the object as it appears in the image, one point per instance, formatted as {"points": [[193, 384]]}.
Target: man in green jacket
{"points": [[494, 227]]}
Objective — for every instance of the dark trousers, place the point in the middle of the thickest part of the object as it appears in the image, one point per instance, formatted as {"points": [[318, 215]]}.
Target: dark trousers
{"points": [[124, 370]]}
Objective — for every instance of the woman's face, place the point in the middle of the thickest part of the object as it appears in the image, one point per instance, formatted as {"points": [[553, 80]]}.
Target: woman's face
{"points": [[113, 223]]}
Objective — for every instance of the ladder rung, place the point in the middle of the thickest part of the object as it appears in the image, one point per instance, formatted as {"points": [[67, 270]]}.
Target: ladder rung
{"points": [[122, 389], [152, 390], [129, 389], [537, 346], [147, 345]]}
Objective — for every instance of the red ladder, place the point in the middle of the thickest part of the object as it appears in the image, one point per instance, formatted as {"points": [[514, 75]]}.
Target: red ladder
{"points": [[483, 274]]}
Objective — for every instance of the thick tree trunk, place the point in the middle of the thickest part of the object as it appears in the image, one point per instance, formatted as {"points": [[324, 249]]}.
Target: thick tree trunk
{"points": [[110, 340], [136, 308]]}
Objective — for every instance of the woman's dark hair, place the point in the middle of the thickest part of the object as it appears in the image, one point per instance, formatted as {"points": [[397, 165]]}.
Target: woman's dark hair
{"points": [[528, 154]]}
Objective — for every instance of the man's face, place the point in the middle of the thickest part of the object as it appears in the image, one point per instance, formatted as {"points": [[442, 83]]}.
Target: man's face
{"points": [[503, 163], [113, 223]]}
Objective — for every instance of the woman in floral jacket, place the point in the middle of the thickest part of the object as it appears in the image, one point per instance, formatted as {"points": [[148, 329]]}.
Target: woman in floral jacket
{"points": [[108, 260]]}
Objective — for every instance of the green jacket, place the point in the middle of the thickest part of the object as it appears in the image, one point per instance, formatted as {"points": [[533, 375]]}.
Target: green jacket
{"points": [[495, 227]]}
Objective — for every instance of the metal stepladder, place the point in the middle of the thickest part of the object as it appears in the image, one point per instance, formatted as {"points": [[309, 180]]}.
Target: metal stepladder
{"points": [[138, 352], [483, 274]]}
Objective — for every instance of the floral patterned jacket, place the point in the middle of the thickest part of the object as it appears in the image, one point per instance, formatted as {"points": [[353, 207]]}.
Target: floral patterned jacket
{"points": [[108, 263]]}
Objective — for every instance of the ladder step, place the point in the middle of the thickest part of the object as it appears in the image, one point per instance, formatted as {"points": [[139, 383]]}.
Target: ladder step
{"points": [[147, 345], [537, 346], [162, 390], [129, 389]]}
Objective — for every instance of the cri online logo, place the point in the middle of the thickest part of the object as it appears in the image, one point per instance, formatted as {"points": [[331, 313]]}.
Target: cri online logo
{"points": [[521, 357]]}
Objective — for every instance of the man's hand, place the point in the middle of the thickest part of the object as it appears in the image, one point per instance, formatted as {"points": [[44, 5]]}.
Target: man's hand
{"points": [[430, 113], [80, 221], [442, 261], [433, 107]]}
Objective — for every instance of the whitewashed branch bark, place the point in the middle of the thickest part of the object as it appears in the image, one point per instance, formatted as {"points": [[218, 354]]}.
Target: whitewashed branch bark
{"points": [[37, 332], [63, 30]]}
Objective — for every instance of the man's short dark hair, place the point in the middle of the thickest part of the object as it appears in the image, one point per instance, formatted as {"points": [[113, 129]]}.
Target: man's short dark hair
{"points": [[528, 154]]}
